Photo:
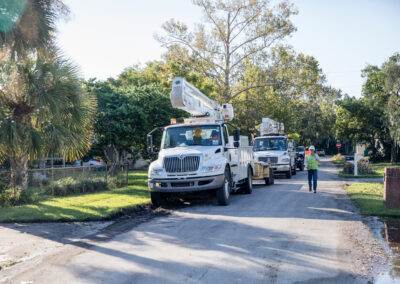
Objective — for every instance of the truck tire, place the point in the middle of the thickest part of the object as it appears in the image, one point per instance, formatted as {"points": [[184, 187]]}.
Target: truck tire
{"points": [[270, 180], [224, 191], [289, 173], [294, 171], [248, 185], [158, 199], [302, 167], [272, 176]]}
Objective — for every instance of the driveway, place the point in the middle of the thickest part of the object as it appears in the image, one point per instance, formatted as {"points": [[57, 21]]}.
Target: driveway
{"points": [[278, 234]]}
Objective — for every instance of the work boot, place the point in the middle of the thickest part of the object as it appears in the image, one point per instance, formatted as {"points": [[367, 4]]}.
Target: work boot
{"points": [[315, 191], [310, 189]]}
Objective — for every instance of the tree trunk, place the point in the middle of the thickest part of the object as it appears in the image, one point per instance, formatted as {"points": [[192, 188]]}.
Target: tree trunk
{"points": [[19, 171], [394, 153], [113, 155]]}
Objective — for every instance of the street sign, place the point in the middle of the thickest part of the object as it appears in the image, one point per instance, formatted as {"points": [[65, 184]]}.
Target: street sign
{"points": [[338, 145]]}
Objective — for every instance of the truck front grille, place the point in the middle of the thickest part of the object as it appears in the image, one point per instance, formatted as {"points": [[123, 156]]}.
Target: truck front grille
{"points": [[178, 165], [271, 160]]}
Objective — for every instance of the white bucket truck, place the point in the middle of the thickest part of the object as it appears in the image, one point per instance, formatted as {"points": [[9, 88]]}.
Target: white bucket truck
{"points": [[199, 154], [273, 147]]}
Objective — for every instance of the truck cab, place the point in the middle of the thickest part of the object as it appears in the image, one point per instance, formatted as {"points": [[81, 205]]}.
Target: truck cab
{"points": [[274, 147]]}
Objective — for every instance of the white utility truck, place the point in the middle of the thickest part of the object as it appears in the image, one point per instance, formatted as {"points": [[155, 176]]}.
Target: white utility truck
{"points": [[274, 148], [199, 154]]}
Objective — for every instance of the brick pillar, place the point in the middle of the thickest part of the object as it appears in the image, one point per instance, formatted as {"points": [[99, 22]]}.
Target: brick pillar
{"points": [[391, 193]]}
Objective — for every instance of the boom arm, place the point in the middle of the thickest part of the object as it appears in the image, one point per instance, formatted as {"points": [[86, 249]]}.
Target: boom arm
{"points": [[188, 98]]}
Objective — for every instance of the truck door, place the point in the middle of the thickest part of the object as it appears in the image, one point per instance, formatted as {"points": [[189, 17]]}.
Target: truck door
{"points": [[226, 143]]}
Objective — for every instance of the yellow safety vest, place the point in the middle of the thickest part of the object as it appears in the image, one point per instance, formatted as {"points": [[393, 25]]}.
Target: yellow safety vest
{"points": [[312, 163]]}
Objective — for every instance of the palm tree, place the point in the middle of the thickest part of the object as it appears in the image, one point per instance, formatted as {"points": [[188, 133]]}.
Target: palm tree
{"points": [[43, 110], [27, 25]]}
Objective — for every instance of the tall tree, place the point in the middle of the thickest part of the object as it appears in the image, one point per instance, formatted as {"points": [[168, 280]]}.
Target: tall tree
{"points": [[43, 112], [391, 71], [298, 96], [381, 92], [42, 107], [128, 108], [233, 33]]}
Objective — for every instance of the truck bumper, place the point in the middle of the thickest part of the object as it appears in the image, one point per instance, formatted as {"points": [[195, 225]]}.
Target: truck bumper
{"points": [[187, 184], [281, 168]]}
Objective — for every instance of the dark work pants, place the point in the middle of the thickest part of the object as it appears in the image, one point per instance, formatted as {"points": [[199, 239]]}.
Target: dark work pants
{"points": [[312, 176]]}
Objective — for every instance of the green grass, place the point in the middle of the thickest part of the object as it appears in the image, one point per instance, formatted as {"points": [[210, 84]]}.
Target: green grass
{"points": [[343, 175], [379, 168], [92, 206], [369, 198]]}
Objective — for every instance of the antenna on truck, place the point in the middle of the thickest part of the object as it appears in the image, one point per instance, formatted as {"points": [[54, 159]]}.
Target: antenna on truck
{"points": [[187, 97]]}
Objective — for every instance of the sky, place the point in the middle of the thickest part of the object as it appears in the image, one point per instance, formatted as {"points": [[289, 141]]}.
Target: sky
{"points": [[103, 37]]}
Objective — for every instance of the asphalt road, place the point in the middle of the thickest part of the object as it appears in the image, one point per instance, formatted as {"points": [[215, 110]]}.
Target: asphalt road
{"points": [[279, 234]]}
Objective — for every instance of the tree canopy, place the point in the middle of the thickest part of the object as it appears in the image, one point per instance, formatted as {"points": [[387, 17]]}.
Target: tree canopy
{"points": [[232, 34]]}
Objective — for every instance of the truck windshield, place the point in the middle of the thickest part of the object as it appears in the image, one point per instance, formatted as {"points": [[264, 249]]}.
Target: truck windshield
{"points": [[265, 144], [197, 135]]}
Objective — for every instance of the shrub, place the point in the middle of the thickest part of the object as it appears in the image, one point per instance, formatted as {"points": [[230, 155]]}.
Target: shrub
{"points": [[348, 168], [364, 168], [338, 157], [68, 186], [62, 187], [9, 197], [15, 196]]}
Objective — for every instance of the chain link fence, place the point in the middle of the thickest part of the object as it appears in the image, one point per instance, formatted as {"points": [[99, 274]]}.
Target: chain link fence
{"points": [[62, 181]]}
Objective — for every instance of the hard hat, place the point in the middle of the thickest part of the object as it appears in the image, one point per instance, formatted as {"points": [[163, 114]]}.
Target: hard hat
{"points": [[312, 148]]}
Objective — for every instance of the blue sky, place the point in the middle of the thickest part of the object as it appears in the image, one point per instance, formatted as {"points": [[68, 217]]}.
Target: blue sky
{"points": [[103, 37]]}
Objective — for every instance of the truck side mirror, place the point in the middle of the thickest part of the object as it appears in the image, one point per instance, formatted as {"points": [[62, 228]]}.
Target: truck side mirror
{"points": [[236, 138], [150, 144]]}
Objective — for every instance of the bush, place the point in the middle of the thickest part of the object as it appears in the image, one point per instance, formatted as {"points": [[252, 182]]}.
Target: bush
{"points": [[69, 186], [9, 197], [15, 196], [364, 168], [338, 157], [62, 187], [348, 168]]}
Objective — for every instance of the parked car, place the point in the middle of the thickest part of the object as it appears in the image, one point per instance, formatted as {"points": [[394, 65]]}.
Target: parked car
{"points": [[321, 152], [91, 162]]}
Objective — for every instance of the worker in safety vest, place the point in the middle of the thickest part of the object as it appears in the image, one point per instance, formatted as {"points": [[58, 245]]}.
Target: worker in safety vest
{"points": [[312, 168]]}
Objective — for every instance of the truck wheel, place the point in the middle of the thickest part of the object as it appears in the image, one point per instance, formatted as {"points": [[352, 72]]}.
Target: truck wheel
{"points": [[272, 176], [157, 198], [270, 180], [289, 173], [301, 167], [248, 185], [294, 171], [224, 191]]}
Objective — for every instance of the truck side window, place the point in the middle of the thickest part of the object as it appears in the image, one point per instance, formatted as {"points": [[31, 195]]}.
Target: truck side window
{"points": [[226, 135]]}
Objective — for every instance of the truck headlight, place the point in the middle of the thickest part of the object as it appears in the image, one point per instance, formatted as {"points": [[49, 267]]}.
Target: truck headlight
{"points": [[157, 172], [208, 169], [285, 160]]}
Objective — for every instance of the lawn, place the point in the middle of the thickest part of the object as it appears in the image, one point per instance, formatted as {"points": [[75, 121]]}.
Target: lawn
{"points": [[92, 206], [379, 168], [369, 198]]}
